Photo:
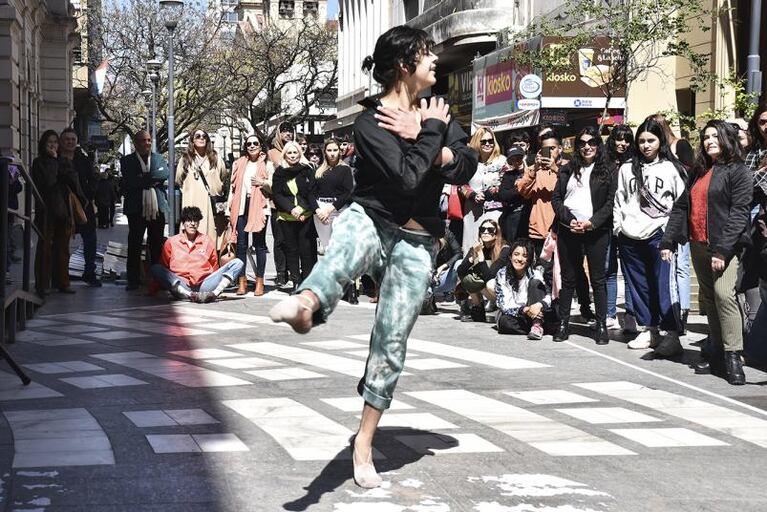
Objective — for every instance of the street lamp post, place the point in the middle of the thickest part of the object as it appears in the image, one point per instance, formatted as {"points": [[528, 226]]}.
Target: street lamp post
{"points": [[147, 94], [171, 11], [153, 66]]}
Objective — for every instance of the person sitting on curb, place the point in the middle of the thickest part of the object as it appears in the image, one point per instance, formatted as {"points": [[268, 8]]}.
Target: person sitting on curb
{"points": [[188, 265]]}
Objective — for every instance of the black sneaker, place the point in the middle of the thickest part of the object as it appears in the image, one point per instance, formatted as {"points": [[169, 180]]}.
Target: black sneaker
{"points": [[587, 314], [92, 281], [280, 280]]}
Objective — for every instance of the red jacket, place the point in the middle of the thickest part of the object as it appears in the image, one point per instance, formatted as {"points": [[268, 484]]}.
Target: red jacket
{"points": [[191, 262]]}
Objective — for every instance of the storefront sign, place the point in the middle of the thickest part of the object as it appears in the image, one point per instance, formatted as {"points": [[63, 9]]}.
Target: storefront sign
{"points": [[459, 87], [583, 83], [498, 101]]}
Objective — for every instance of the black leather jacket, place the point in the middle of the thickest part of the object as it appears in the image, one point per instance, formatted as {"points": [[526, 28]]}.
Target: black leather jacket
{"points": [[729, 212]]}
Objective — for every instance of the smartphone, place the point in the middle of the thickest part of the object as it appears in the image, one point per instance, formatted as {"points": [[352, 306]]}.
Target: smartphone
{"points": [[546, 151]]}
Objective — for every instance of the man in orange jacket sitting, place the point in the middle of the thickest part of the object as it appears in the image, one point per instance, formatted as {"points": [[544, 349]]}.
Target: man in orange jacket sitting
{"points": [[188, 265]]}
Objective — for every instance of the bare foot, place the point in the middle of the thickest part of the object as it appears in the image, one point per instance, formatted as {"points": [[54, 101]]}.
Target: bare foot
{"points": [[296, 311]]}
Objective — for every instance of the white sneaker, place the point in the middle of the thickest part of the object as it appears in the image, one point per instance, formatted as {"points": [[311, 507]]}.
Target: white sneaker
{"points": [[630, 324], [612, 324], [641, 342]]}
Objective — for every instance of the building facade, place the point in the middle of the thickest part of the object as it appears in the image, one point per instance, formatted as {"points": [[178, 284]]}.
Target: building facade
{"points": [[36, 42]]}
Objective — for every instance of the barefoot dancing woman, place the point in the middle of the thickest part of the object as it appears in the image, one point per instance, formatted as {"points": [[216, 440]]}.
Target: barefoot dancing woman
{"points": [[406, 154]]}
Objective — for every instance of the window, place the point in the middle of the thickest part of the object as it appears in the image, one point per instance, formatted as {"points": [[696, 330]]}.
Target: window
{"points": [[310, 9], [230, 17], [287, 8], [77, 55]]}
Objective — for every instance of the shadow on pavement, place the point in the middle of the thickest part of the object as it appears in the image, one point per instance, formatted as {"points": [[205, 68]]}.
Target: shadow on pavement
{"points": [[339, 470]]}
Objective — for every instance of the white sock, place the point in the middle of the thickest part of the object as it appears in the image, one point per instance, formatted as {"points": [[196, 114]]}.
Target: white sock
{"points": [[180, 291], [223, 284]]}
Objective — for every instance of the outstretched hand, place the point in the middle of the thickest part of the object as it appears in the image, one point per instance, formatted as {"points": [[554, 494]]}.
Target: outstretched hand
{"points": [[435, 108]]}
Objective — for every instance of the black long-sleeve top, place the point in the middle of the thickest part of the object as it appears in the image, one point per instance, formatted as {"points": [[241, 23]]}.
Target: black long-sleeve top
{"points": [[284, 199], [336, 182], [397, 179], [450, 252], [488, 269], [507, 193]]}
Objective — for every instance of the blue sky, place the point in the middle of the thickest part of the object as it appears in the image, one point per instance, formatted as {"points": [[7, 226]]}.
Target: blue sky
{"points": [[332, 9]]}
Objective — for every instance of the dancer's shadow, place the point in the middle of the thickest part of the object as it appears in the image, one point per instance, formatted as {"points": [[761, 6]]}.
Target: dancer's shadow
{"points": [[397, 454]]}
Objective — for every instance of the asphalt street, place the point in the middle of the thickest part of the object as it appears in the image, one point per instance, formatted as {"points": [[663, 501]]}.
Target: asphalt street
{"points": [[143, 404]]}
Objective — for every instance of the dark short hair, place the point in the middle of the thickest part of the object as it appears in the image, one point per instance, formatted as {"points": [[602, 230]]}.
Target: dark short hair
{"points": [[546, 126], [244, 149], [620, 132], [190, 213], [69, 129], [551, 136], [285, 127], [519, 136], [314, 149], [43, 139], [401, 45], [753, 128]]}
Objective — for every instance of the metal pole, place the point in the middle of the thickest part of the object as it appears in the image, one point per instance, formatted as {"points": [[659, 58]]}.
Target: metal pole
{"points": [[171, 144], [154, 117], [754, 72]]}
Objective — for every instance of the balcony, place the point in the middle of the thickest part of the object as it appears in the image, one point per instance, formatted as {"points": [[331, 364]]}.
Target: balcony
{"points": [[447, 20]]}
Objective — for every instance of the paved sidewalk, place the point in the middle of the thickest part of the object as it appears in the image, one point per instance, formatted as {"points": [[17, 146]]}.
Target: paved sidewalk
{"points": [[142, 404]]}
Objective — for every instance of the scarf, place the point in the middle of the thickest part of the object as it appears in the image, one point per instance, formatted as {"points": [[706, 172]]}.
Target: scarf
{"points": [[150, 208], [256, 218]]}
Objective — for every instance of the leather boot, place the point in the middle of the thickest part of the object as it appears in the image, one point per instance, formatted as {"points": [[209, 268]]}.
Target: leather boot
{"points": [[259, 290], [563, 331], [601, 336], [242, 285], [734, 368], [478, 313]]}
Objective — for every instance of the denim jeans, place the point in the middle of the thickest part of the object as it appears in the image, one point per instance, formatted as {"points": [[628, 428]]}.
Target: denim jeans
{"points": [[88, 234], [168, 279], [447, 281], [613, 263], [683, 278], [755, 344], [401, 262]]}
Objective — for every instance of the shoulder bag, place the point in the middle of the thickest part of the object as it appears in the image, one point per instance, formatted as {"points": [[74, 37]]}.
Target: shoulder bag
{"points": [[218, 203]]}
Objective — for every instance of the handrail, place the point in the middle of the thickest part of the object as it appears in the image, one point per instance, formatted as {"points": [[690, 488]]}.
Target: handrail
{"points": [[27, 180]]}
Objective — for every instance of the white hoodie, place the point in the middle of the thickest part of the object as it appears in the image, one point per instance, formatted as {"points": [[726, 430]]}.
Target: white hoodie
{"points": [[664, 183]]}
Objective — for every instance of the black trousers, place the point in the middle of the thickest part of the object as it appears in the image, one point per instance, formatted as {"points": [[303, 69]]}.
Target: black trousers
{"points": [[278, 250], [137, 225], [508, 324], [572, 247], [513, 226], [300, 240], [103, 215]]}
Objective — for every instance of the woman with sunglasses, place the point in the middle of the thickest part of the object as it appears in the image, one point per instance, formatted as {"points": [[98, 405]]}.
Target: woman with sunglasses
{"points": [[406, 154], [488, 176], [713, 214], [200, 176], [647, 189], [314, 155], [249, 209], [583, 203], [478, 269]]}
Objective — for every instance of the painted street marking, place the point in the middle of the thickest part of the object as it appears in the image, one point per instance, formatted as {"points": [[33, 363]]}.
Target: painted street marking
{"points": [[285, 374], [602, 415], [355, 403], [550, 397], [667, 437], [417, 420], [547, 435], [170, 418], [466, 354], [188, 375], [715, 417], [334, 344], [63, 367], [205, 353], [58, 437], [436, 444], [103, 381], [304, 433]]}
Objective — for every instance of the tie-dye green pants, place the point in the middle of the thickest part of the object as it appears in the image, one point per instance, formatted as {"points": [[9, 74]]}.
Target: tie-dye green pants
{"points": [[401, 262]]}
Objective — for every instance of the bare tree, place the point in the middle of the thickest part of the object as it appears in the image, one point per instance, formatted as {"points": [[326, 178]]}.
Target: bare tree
{"points": [[282, 69], [132, 33]]}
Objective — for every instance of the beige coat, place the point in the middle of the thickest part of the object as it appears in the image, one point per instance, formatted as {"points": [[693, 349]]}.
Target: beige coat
{"points": [[194, 194]]}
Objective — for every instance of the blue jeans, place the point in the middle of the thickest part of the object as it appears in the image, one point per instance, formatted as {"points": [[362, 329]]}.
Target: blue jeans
{"points": [[447, 281], [683, 279], [88, 234], [612, 281], [168, 279]]}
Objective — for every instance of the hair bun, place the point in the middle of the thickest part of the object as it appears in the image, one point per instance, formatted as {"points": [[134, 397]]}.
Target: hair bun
{"points": [[367, 63]]}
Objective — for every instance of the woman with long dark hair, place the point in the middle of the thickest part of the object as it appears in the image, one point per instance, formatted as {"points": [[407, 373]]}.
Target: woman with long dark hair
{"points": [[249, 209], [620, 148], [200, 175], [583, 203], [406, 154], [523, 298], [714, 216], [647, 189], [56, 180]]}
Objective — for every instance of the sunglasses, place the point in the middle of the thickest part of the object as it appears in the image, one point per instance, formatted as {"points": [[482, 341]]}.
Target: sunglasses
{"points": [[252, 144], [486, 142], [487, 229], [200, 136], [591, 142], [762, 122]]}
